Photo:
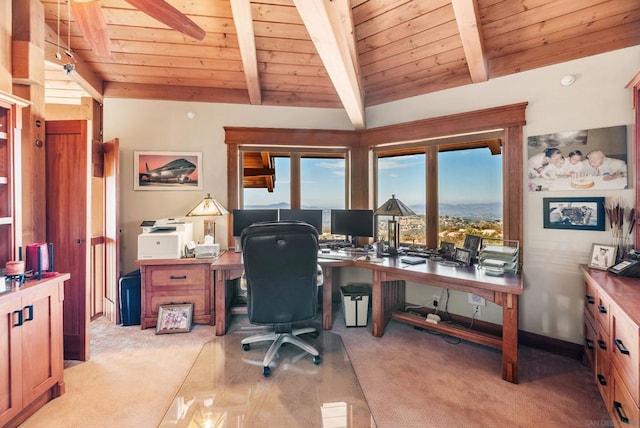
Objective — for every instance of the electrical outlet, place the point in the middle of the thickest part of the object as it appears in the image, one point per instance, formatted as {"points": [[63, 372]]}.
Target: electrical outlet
{"points": [[477, 310], [476, 300], [436, 300]]}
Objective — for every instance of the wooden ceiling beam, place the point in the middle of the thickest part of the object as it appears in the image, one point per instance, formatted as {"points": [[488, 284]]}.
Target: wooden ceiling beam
{"points": [[330, 25], [82, 74], [468, 21], [243, 21]]}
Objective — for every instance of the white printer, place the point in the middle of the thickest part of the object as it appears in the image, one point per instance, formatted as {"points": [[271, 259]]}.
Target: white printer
{"points": [[164, 239]]}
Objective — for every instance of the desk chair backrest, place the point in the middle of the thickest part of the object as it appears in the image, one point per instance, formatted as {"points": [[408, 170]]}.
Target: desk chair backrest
{"points": [[280, 262]]}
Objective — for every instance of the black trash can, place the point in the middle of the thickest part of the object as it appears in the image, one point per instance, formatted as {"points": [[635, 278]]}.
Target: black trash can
{"points": [[130, 286]]}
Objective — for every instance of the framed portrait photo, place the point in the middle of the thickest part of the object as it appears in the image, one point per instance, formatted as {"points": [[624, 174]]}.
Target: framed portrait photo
{"points": [[463, 256], [167, 170], [603, 256], [174, 318], [447, 249]]}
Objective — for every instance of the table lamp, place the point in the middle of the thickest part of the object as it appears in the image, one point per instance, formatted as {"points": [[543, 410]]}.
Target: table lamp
{"points": [[208, 207], [392, 208]]}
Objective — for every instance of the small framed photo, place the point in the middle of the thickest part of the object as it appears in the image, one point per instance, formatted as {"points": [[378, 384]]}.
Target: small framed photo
{"points": [[463, 256], [603, 256], [472, 243], [447, 249], [174, 318]]}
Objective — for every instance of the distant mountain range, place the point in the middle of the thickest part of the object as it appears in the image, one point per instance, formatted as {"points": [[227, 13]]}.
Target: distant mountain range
{"points": [[484, 211]]}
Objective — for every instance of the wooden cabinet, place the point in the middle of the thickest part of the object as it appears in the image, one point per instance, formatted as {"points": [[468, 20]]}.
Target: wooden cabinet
{"points": [[176, 281], [31, 360], [612, 342], [10, 137]]}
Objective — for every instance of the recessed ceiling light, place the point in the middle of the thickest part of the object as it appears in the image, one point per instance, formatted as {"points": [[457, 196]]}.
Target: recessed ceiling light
{"points": [[567, 80], [191, 114]]}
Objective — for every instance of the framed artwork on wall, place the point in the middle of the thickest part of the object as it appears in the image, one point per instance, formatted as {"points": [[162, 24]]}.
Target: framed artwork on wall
{"points": [[167, 170], [588, 159], [573, 213]]}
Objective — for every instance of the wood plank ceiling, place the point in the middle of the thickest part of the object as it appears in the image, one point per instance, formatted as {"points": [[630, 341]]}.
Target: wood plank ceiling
{"points": [[320, 53]]}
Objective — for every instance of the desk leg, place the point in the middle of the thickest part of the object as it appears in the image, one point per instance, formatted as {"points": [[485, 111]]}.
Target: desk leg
{"points": [[220, 299], [377, 306], [327, 303], [510, 337]]}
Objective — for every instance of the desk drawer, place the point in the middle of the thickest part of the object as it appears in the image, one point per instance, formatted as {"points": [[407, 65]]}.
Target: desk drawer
{"points": [[603, 366], [624, 351], [200, 304], [590, 344], [603, 313], [622, 408], [590, 299], [183, 275]]}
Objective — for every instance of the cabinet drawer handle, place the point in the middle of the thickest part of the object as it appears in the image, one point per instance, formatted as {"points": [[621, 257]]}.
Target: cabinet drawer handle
{"points": [[618, 406], [589, 343], [621, 347], [20, 319], [602, 380], [30, 309], [602, 309], [601, 344], [178, 277], [590, 299]]}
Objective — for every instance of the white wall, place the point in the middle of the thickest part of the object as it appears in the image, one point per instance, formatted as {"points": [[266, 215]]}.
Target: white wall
{"points": [[553, 298]]}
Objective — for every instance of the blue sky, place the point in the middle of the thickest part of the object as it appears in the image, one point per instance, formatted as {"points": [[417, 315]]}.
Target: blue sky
{"points": [[469, 176]]}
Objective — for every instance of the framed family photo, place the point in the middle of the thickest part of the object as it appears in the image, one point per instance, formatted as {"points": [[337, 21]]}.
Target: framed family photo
{"points": [[574, 213], [463, 256], [603, 256], [174, 318], [167, 170]]}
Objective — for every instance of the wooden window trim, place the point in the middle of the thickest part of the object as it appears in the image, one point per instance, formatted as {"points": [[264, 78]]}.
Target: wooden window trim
{"points": [[508, 120]]}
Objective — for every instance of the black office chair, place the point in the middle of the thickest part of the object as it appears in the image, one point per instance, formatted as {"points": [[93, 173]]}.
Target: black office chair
{"points": [[281, 270]]}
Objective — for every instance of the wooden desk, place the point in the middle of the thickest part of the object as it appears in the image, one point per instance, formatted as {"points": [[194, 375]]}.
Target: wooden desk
{"points": [[388, 301], [388, 298]]}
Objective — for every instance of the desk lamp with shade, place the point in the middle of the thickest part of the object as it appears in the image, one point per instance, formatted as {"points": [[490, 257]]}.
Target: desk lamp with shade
{"points": [[392, 208], [208, 208]]}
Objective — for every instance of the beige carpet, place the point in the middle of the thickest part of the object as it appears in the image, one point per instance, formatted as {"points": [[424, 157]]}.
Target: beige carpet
{"points": [[410, 378]]}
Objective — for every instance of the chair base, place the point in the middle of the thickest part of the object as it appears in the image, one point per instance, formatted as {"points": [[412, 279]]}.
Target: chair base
{"points": [[278, 340]]}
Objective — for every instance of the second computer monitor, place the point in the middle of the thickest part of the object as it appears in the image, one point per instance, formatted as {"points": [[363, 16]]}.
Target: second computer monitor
{"points": [[313, 217], [352, 223]]}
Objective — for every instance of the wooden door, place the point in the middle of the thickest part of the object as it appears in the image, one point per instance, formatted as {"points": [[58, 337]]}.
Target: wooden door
{"points": [[68, 187], [111, 153]]}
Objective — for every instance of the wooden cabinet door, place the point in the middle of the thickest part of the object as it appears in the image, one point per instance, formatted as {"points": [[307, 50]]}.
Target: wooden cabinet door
{"points": [[68, 170], [42, 361], [10, 361]]}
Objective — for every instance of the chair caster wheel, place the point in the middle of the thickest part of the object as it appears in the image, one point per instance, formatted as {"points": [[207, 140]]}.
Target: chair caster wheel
{"points": [[266, 372], [317, 360], [246, 347]]}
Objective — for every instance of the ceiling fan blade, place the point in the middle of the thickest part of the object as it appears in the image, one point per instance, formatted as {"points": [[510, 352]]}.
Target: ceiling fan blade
{"points": [[170, 16], [93, 27]]}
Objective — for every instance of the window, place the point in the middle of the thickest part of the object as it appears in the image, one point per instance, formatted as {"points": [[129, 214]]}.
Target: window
{"points": [[404, 177], [465, 196], [322, 182], [469, 194]]}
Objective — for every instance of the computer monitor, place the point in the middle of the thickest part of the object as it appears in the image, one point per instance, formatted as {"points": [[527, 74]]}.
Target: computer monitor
{"points": [[313, 217], [352, 223], [245, 218]]}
